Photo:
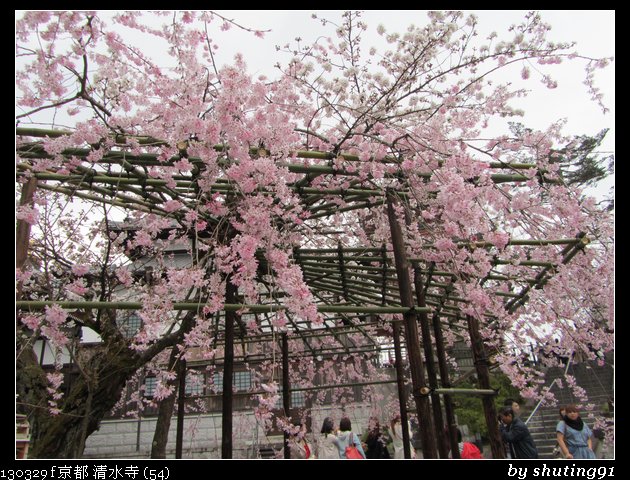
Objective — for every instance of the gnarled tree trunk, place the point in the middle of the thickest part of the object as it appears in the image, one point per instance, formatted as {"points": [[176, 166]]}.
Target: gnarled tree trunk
{"points": [[63, 435]]}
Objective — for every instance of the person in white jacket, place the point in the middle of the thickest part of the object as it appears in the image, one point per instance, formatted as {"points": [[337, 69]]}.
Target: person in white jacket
{"points": [[327, 443], [299, 446], [397, 438]]}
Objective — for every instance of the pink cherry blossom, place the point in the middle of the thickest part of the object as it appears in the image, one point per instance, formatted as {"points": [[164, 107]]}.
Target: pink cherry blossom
{"points": [[200, 158]]}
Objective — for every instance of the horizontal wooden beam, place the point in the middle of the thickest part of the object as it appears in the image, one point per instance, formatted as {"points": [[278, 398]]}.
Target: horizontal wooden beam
{"points": [[247, 308]]}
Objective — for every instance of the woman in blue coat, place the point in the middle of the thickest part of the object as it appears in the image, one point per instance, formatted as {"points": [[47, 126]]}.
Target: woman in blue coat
{"points": [[574, 436], [345, 437]]}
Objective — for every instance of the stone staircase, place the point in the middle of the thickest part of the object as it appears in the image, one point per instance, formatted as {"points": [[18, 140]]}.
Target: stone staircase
{"points": [[597, 381]]}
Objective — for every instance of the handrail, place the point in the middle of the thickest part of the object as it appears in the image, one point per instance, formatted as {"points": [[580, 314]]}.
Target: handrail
{"points": [[549, 388]]}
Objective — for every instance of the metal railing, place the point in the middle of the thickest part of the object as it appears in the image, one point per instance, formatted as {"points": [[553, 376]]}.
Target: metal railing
{"points": [[548, 389]]}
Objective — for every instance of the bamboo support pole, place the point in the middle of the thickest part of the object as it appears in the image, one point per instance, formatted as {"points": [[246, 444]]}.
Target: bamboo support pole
{"points": [[400, 386], [313, 333], [333, 251], [23, 230], [304, 154], [481, 366], [179, 437], [228, 369], [363, 293], [307, 389], [119, 200], [147, 140], [358, 271], [347, 209], [430, 364], [568, 253], [246, 308], [286, 390], [449, 409], [300, 333], [245, 358], [466, 391], [411, 332], [335, 288], [344, 319], [367, 287]]}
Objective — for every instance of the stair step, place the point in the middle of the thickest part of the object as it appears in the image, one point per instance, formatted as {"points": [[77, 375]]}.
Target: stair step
{"points": [[597, 382]]}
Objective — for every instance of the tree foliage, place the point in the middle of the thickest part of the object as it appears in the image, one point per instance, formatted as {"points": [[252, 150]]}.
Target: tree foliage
{"points": [[579, 161], [468, 408]]}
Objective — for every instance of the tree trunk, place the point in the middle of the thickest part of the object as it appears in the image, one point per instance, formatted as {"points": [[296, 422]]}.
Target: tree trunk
{"points": [[62, 435], [165, 413]]}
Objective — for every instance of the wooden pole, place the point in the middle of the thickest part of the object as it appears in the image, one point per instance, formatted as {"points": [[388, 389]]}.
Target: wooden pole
{"points": [[23, 230], [228, 369], [411, 332], [483, 374], [449, 410], [438, 432], [286, 390], [402, 394], [228, 307], [181, 410]]}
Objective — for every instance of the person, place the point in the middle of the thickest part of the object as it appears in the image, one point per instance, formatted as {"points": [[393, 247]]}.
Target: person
{"points": [[516, 434], [574, 436], [346, 437], [299, 446], [598, 443], [397, 438], [557, 451], [376, 441], [516, 408], [327, 443], [467, 450]]}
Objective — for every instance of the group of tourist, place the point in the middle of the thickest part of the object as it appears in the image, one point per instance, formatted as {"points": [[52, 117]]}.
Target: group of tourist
{"points": [[340, 442], [574, 437]]}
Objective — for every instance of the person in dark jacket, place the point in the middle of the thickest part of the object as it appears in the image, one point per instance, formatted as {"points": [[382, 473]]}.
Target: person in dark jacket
{"points": [[376, 441], [515, 432]]}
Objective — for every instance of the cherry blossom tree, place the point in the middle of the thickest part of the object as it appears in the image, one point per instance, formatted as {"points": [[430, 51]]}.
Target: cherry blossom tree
{"points": [[210, 157]]}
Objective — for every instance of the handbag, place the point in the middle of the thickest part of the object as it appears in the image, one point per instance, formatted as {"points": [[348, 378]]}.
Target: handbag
{"points": [[352, 452]]}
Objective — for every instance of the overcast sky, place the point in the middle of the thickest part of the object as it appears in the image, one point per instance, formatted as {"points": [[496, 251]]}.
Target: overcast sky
{"points": [[594, 32]]}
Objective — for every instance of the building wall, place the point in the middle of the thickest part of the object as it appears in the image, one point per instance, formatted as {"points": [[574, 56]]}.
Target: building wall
{"points": [[131, 438]]}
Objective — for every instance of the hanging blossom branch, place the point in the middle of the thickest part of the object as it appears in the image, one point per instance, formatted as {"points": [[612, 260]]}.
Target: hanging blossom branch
{"points": [[410, 118]]}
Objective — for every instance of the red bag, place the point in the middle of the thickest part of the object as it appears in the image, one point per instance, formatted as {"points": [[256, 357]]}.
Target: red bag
{"points": [[352, 452], [307, 450], [471, 451]]}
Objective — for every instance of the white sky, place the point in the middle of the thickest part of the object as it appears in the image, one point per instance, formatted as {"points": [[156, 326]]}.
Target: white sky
{"points": [[594, 32]]}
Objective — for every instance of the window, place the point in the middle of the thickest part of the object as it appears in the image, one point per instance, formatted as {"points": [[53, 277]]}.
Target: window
{"points": [[194, 383], [150, 383], [298, 399], [129, 324], [241, 381]]}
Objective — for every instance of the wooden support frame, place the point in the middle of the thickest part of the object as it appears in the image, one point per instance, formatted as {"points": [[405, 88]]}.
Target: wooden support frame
{"points": [[360, 275], [416, 364]]}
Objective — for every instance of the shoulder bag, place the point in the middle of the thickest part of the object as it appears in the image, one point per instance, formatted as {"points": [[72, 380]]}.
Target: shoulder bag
{"points": [[352, 452]]}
